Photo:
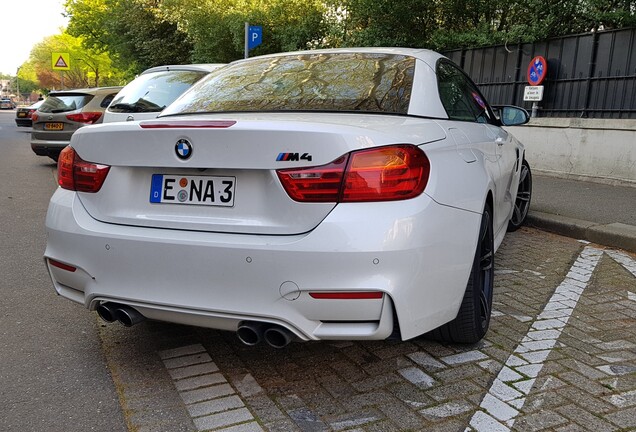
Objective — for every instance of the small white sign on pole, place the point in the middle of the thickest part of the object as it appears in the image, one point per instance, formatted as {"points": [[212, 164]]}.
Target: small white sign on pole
{"points": [[533, 93]]}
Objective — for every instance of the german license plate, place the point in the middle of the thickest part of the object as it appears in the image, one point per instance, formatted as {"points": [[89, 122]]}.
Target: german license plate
{"points": [[21, 114], [197, 190], [53, 126]]}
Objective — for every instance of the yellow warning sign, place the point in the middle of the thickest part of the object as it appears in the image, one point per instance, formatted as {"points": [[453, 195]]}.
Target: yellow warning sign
{"points": [[60, 61]]}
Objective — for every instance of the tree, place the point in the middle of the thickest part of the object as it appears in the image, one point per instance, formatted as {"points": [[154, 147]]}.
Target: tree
{"points": [[216, 27], [135, 33], [144, 33], [88, 69]]}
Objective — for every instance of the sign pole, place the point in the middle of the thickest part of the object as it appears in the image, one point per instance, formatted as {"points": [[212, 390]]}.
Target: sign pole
{"points": [[61, 61], [247, 49], [17, 83]]}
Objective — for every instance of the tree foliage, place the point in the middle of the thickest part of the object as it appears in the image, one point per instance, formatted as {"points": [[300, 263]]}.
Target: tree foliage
{"points": [[449, 24], [88, 68], [138, 34]]}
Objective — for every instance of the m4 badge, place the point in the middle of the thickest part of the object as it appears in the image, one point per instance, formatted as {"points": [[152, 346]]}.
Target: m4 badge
{"points": [[293, 157]]}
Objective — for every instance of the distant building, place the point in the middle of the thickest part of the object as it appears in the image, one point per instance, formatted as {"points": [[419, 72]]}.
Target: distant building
{"points": [[5, 87]]}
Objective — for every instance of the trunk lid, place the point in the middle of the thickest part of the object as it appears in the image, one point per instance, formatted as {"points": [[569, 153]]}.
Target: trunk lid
{"points": [[234, 159]]}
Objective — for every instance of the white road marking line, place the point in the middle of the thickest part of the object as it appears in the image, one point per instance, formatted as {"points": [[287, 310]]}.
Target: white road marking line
{"points": [[508, 393], [624, 260]]}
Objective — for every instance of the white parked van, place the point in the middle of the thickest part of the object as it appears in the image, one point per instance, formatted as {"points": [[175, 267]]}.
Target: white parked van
{"points": [[147, 95]]}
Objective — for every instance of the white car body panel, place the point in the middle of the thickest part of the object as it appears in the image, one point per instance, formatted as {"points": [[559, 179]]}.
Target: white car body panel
{"points": [[240, 277], [260, 259]]}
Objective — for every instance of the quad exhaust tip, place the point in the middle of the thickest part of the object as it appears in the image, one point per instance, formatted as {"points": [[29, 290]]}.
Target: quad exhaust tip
{"points": [[126, 315], [252, 333]]}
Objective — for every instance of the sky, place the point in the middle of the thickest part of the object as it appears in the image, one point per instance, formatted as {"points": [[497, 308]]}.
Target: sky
{"points": [[25, 23]]}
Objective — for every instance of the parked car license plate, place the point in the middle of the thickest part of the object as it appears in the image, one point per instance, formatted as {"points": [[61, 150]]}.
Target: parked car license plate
{"points": [[53, 126], [198, 190], [21, 114]]}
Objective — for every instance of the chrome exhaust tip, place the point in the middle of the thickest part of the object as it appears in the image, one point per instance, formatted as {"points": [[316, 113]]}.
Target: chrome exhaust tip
{"points": [[128, 316], [250, 333], [106, 312], [278, 337]]}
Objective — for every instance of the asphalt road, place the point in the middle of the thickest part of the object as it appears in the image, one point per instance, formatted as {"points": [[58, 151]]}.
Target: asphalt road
{"points": [[53, 375]]}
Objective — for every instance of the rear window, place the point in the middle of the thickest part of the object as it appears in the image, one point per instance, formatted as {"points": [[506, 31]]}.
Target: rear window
{"points": [[153, 91], [63, 103], [107, 100], [359, 82]]}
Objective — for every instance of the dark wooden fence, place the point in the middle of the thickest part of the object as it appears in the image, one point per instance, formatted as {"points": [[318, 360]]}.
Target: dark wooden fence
{"points": [[589, 75]]}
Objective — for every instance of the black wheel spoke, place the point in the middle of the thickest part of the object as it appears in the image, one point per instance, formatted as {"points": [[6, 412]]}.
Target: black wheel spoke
{"points": [[484, 306], [523, 175], [516, 216], [485, 223], [522, 200], [523, 196], [485, 262]]}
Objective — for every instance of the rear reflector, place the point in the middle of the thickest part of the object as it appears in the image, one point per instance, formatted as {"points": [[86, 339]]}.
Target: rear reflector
{"points": [[187, 124], [85, 117], [353, 295], [62, 265], [75, 174], [390, 173]]}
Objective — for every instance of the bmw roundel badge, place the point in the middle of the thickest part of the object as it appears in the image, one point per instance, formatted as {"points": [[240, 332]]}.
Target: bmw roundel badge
{"points": [[183, 148]]}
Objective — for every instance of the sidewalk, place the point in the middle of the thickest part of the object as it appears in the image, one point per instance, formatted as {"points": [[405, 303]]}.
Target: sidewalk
{"points": [[589, 211]]}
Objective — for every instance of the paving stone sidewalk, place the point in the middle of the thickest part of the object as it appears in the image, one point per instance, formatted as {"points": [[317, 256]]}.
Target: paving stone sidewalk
{"points": [[560, 356]]}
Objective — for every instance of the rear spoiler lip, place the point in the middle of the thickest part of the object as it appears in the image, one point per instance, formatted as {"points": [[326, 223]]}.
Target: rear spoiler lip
{"points": [[187, 124]]}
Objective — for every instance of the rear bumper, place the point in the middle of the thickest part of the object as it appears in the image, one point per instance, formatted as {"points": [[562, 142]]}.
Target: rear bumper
{"points": [[48, 148], [23, 122], [217, 280]]}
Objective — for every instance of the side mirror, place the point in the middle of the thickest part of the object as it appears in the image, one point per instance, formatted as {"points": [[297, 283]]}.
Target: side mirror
{"points": [[511, 115]]}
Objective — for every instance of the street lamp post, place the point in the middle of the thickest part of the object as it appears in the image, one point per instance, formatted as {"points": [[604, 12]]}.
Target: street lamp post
{"points": [[17, 83]]}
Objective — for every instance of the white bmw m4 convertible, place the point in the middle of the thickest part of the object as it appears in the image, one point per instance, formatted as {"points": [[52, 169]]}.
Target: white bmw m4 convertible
{"points": [[333, 194]]}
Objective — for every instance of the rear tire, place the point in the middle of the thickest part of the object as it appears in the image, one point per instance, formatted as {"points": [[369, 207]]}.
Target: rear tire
{"points": [[473, 319], [522, 202]]}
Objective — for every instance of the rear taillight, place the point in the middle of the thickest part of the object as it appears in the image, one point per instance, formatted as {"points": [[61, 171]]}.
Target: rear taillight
{"points": [[35, 117], [75, 174], [84, 117], [315, 184], [388, 173]]}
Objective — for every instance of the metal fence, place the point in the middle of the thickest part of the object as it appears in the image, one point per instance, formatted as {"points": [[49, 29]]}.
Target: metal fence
{"points": [[589, 75]]}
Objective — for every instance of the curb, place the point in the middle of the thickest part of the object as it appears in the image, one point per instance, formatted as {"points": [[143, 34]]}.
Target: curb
{"points": [[617, 235]]}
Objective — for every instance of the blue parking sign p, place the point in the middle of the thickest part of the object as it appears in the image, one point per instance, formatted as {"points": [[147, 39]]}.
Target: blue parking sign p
{"points": [[255, 36]]}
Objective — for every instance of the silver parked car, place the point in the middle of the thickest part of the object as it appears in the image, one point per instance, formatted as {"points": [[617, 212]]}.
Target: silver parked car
{"points": [[63, 112], [6, 104], [147, 95]]}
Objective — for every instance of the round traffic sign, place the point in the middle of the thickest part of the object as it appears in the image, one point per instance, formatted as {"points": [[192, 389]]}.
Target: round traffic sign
{"points": [[537, 70]]}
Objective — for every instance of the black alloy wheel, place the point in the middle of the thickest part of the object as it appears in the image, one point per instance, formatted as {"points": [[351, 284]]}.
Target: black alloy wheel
{"points": [[522, 202], [473, 319]]}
